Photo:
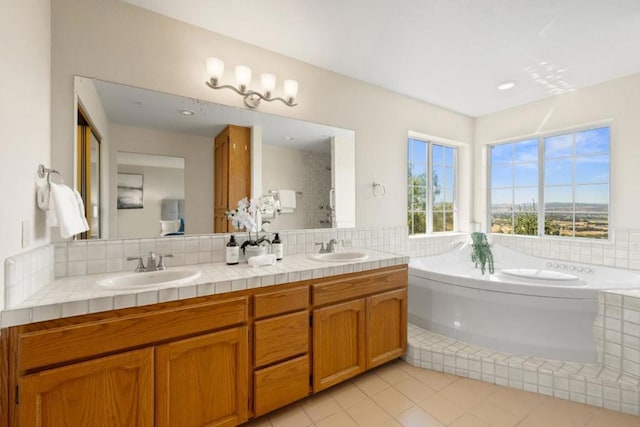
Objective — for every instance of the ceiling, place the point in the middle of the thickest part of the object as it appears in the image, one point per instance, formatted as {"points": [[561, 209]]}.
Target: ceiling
{"points": [[452, 53]]}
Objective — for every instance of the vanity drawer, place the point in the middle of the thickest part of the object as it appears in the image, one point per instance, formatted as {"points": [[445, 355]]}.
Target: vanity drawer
{"points": [[278, 302], [92, 338], [327, 291], [281, 337], [281, 384]]}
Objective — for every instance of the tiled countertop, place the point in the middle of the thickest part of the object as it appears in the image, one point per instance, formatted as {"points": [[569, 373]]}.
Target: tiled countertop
{"points": [[73, 296]]}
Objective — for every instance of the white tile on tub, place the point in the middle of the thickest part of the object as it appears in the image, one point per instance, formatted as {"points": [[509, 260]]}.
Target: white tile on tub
{"points": [[632, 316]]}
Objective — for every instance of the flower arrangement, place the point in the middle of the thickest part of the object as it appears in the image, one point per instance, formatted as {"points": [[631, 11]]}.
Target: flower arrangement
{"points": [[246, 216]]}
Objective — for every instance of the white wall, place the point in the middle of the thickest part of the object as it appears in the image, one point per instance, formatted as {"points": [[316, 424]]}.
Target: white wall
{"points": [[616, 101], [24, 121], [158, 183], [118, 42], [283, 168], [197, 152]]}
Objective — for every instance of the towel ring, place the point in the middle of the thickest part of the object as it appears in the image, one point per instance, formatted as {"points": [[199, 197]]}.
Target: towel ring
{"points": [[42, 172]]}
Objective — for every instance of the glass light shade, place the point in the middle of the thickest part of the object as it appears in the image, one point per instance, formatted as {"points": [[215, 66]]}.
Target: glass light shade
{"points": [[215, 68], [243, 75], [290, 88], [268, 82]]}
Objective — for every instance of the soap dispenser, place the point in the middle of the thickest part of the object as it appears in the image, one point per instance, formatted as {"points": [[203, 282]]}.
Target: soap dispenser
{"points": [[233, 251], [277, 247]]}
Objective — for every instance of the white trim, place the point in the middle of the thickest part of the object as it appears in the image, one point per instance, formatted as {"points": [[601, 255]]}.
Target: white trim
{"points": [[552, 132]]}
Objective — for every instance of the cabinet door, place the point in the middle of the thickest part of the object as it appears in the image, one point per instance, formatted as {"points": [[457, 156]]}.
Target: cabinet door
{"points": [[338, 343], [386, 327], [109, 391], [203, 380]]}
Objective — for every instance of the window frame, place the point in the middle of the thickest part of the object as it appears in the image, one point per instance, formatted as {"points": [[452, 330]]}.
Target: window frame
{"points": [[541, 162], [430, 142]]}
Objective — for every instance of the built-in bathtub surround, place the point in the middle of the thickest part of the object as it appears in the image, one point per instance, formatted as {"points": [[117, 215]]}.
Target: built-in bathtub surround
{"points": [[623, 251], [79, 258], [617, 331], [588, 383], [435, 244]]}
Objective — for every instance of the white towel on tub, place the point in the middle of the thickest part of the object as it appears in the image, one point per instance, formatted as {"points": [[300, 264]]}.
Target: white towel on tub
{"points": [[287, 200], [66, 210]]}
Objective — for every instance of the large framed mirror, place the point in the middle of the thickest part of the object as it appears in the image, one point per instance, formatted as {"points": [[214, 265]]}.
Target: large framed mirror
{"points": [[157, 166]]}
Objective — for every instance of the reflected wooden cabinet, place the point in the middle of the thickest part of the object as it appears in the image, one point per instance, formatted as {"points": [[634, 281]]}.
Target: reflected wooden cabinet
{"points": [[209, 369], [232, 172], [105, 392]]}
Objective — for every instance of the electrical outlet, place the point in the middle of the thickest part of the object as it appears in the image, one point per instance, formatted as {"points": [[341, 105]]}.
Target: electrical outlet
{"points": [[26, 234]]}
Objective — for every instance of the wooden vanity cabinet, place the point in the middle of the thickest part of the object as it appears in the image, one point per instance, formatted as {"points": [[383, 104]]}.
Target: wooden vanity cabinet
{"points": [[281, 348], [104, 392], [359, 322], [212, 361], [182, 363]]}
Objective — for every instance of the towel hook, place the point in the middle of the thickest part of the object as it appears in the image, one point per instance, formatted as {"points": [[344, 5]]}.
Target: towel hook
{"points": [[378, 190]]}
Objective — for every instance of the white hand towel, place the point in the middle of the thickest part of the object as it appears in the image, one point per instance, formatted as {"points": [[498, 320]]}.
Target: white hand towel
{"points": [[262, 260], [287, 200], [66, 210]]}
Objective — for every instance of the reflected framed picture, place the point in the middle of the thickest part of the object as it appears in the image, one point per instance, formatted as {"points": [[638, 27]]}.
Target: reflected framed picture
{"points": [[130, 187]]}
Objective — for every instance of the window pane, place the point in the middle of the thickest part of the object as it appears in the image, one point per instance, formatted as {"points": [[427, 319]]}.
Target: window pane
{"points": [[558, 198], [438, 221], [592, 225], [592, 169], [418, 150], [525, 197], [525, 221], [418, 197], [449, 156], [501, 154], [558, 146], [501, 176], [419, 222], [526, 174], [526, 151], [438, 178], [558, 172], [559, 224], [501, 222], [448, 198], [418, 174], [596, 197], [449, 178], [448, 221], [502, 198], [592, 141], [438, 155]]}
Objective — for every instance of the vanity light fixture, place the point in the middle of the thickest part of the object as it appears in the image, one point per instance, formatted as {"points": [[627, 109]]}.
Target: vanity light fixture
{"points": [[215, 69]]}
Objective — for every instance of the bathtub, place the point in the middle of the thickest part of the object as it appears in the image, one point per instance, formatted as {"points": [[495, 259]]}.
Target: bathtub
{"points": [[529, 306]]}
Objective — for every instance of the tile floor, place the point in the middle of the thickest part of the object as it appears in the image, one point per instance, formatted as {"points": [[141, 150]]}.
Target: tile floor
{"points": [[398, 394]]}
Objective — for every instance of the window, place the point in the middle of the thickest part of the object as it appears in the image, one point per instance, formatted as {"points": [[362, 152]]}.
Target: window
{"points": [[568, 174], [431, 202]]}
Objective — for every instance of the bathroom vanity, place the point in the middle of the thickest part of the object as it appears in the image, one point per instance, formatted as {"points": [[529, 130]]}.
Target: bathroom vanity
{"points": [[211, 360]]}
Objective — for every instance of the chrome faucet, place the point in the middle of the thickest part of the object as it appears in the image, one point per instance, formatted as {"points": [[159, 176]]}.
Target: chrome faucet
{"points": [[323, 250], [331, 246], [151, 262]]}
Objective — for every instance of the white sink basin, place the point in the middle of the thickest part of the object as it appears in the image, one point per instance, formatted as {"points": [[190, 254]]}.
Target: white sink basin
{"points": [[340, 256], [150, 279]]}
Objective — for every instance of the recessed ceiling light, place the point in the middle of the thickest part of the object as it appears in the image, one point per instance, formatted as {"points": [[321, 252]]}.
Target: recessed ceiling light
{"points": [[509, 84], [288, 138], [186, 112]]}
